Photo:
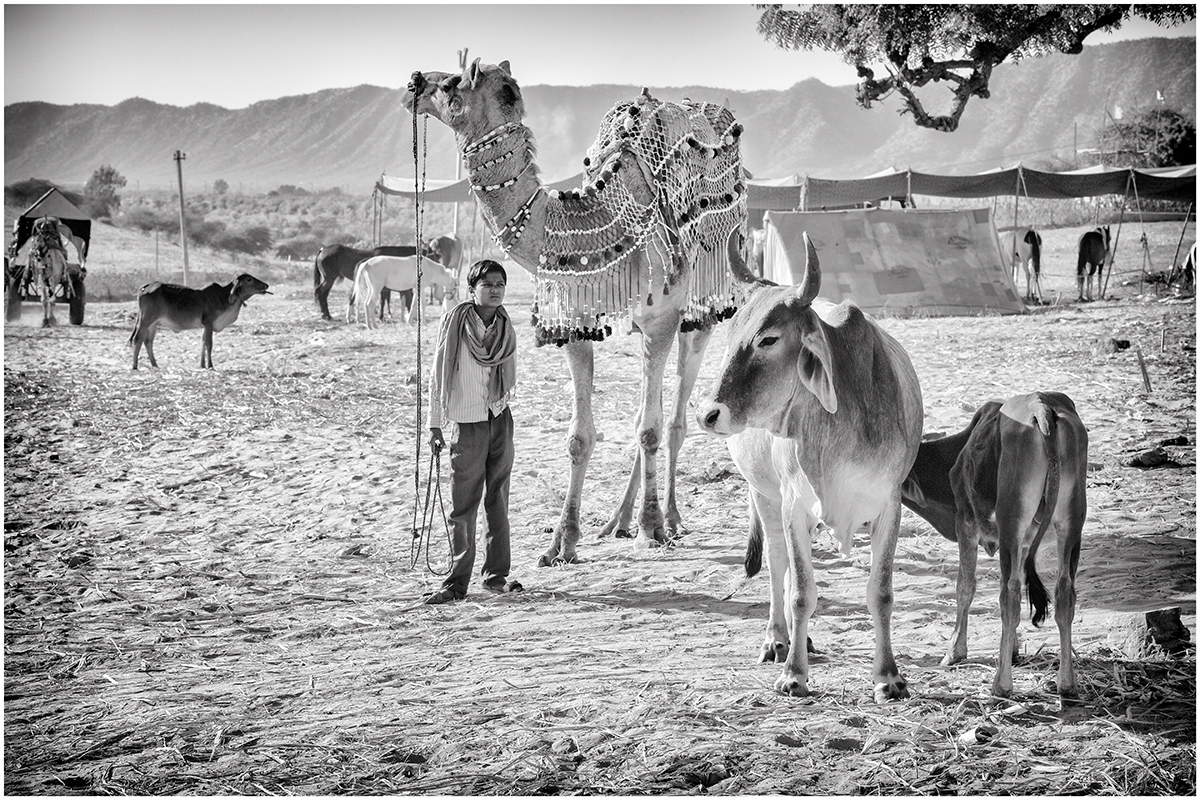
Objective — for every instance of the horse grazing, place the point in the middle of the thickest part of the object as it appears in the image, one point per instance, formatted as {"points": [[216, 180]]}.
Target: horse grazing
{"points": [[48, 260], [1023, 248], [1095, 252], [337, 261], [376, 275]]}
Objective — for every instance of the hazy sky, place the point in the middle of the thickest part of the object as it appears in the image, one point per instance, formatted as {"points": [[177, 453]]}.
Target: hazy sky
{"points": [[236, 55]]}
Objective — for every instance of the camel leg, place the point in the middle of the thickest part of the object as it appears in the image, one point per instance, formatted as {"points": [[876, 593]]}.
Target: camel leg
{"points": [[622, 518], [691, 354], [656, 346], [581, 441]]}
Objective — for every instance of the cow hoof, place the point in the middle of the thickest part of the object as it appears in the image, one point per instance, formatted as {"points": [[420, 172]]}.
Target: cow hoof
{"points": [[791, 685], [896, 689]]}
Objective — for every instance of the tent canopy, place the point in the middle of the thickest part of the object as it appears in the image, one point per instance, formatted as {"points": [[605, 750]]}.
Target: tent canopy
{"points": [[796, 192], [1172, 183]]}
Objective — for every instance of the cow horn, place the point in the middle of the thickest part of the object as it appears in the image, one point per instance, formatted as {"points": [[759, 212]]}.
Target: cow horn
{"points": [[737, 264], [812, 274]]}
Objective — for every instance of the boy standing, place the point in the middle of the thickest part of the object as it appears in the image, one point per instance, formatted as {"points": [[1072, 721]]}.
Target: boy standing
{"points": [[474, 372]]}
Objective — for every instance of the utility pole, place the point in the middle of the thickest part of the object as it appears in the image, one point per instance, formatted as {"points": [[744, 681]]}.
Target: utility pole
{"points": [[179, 157]]}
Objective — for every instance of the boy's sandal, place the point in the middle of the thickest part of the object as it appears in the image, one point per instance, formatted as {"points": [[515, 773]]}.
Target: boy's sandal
{"points": [[443, 596], [500, 587]]}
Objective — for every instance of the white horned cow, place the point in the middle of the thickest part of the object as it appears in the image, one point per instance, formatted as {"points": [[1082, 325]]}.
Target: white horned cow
{"points": [[180, 308], [823, 413], [1023, 248], [398, 273], [1019, 468]]}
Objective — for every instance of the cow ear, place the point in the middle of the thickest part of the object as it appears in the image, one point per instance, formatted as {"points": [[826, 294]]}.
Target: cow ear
{"points": [[815, 366]]}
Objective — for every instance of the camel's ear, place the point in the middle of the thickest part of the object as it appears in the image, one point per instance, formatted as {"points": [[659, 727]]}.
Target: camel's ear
{"points": [[473, 73], [506, 68], [815, 363]]}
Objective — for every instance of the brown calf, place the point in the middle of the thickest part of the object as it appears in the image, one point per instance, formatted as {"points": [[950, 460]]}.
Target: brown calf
{"points": [[179, 308], [1018, 469]]}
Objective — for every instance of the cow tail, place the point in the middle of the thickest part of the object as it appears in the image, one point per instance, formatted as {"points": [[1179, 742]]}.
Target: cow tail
{"points": [[754, 543], [1039, 600], [1034, 241]]}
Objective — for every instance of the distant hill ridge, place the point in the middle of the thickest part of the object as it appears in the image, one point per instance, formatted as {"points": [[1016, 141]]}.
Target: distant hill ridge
{"points": [[348, 137]]}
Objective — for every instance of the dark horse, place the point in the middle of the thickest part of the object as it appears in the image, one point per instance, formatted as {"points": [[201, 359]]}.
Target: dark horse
{"points": [[337, 261]]}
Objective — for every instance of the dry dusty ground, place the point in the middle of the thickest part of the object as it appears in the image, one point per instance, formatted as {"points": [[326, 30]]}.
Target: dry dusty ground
{"points": [[210, 584]]}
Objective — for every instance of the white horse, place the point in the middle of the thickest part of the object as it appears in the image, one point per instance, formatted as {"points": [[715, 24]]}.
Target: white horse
{"points": [[398, 274], [1023, 248]]}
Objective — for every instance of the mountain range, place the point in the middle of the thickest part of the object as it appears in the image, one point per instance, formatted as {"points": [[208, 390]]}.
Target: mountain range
{"points": [[1039, 108]]}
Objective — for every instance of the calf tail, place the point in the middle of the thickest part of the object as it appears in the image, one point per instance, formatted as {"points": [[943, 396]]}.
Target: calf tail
{"points": [[1039, 600], [754, 543]]}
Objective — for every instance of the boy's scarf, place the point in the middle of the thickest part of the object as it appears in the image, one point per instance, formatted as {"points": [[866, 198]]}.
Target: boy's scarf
{"points": [[458, 328]]}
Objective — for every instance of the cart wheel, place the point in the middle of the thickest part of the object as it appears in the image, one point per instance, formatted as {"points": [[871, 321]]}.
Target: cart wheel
{"points": [[12, 298], [78, 301]]}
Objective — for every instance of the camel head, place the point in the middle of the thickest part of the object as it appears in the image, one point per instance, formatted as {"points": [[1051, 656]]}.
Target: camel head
{"points": [[481, 99]]}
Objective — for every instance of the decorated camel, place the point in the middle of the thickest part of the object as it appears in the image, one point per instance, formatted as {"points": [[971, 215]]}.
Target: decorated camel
{"points": [[652, 240]]}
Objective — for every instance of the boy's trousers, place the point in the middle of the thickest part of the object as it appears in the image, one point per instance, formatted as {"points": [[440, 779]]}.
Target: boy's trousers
{"points": [[481, 460]]}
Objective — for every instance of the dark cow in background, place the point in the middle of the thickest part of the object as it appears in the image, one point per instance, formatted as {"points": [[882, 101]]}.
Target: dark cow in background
{"points": [[1019, 468], [823, 413], [337, 261], [1094, 253]]}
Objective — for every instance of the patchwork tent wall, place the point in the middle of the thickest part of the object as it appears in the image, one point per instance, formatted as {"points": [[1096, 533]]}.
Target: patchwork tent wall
{"points": [[897, 263]]}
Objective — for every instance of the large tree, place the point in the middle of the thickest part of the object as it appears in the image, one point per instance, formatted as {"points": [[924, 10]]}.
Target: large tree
{"points": [[101, 191], [957, 43], [1155, 137]]}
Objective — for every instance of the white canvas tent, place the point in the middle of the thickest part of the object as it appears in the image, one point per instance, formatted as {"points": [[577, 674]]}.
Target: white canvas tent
{"points": [[897, 263]]}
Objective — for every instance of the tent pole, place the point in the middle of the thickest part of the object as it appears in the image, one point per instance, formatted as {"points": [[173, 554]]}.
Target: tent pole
{"points": [[1179, 244], [1112, 254], [1012, 261]]}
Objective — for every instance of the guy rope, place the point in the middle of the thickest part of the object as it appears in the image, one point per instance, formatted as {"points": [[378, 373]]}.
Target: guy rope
{"points": [[433, 487]]}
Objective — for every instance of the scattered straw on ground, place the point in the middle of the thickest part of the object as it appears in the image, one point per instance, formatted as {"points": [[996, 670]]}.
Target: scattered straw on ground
{"points": [[209, 585]]}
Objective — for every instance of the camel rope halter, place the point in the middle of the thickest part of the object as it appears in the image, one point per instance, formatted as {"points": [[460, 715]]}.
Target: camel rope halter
{"points": [[433, 487]]}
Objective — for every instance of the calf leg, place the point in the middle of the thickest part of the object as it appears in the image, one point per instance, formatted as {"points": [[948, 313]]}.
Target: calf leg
{"points": [[885, 531], [581, 441], [1014, 518], [206, 348], [968, 555], [1069, 540]]}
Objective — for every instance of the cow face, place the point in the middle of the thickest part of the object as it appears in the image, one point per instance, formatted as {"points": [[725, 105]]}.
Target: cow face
{"points": [[778, 350], [482, 98], [246, 286]]}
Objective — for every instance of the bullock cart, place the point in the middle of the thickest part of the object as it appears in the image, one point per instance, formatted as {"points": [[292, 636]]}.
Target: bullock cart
{"points": [[20, 279]]}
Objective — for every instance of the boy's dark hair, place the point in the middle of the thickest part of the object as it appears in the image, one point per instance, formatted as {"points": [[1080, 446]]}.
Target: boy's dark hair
{"points": [[483, 267]]}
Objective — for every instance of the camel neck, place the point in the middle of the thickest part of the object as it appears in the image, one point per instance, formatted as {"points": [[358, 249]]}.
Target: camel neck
{"points": [[503, 176]]}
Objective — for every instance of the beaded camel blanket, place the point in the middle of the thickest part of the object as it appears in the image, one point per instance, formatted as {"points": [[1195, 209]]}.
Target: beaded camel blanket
{"points": [[689, 156]]}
